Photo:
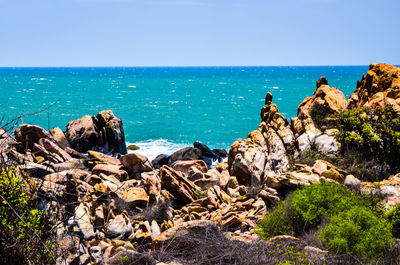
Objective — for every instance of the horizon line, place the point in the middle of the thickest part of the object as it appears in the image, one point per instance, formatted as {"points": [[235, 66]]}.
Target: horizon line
{"points": [[183, 66]]}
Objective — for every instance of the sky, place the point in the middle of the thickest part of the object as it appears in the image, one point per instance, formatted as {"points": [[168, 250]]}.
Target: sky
{"points": [[198, 32]]}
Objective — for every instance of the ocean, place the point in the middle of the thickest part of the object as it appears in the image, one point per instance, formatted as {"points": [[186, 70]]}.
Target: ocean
{"points": [[166, 108]]}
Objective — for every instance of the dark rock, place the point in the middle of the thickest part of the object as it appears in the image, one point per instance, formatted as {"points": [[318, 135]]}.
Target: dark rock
{"points": [[268, 98], [111, 132], [187, 153], [221, 154], [205, 151], [159, 161], [103, 132], [322, 81]]}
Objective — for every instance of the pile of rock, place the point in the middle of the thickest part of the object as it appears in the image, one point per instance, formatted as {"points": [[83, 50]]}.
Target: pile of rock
{"points": [[111, 201]]}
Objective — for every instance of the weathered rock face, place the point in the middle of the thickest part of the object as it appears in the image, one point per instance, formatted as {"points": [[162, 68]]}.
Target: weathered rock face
{"points": [[103, 132], [326, 100], [182, 188], [247, 161], [264, 150], [111, 132], [187, 167], [28, 135], [379, 87], [136, 163]]}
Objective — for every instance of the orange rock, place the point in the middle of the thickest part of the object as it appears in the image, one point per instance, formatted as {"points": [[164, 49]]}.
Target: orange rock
{"points": [[379, 87]]}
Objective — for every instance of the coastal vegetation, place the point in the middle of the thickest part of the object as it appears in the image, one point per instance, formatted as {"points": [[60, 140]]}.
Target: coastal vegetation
{"points": [[343, 221], [369, 139]]}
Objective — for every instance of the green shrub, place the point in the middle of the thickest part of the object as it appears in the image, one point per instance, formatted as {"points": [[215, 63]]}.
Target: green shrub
{"points": [[307, 207], [22, 226], [372, 134], [394, 218], [280, 221], [357, 231]]}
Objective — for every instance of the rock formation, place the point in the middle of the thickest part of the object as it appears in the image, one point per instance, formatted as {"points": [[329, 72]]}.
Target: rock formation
{"points": [[116, 205], [103, 132]]}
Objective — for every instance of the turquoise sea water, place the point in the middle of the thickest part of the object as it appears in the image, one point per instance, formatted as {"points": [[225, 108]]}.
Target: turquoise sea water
{"points": [[164, 108]]}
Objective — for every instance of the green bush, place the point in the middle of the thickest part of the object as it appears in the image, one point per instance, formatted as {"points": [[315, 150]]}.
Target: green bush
{"points": [[308, 207], [373, 134], [22, 226], [280, 221], [394, 218], [357, 231]]}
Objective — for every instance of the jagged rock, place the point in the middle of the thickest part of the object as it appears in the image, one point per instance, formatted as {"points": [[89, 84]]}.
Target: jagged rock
{"points": [[103, 132], [119, 227], [322, 81], [187, 153], [326, 100], [136, 163], [82, 133], [110, 170], [159, 161], [326, 144], [221, 154], [188, 166], [247, 161], [292, 179], [97, 255], [53, 148], [103, 158], [134, 196], [180, 187], [276, 160], [36, 170], [81, 220], [205, 151], [59, 136], [379, 87], [71, 164], [28, 135]]}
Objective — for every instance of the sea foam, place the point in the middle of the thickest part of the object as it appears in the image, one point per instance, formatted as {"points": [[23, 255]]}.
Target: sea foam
{"points": [[152, 148]]}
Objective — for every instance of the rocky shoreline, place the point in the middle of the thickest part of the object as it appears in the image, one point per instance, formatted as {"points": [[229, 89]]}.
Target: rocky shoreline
{"points": [[116, 204]]}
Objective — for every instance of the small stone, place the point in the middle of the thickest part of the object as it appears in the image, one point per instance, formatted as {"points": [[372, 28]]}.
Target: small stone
{"points": [[133, 147]]}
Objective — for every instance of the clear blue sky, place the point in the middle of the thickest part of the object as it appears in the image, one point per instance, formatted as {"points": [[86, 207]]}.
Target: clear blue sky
{"points": [[198, 32]]}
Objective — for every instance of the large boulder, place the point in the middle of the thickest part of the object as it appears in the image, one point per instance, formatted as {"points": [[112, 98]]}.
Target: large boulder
{"points": [[179, 186], [187, 153], [29, 135], [247, 161], [326, 100], [379, 87], [136, 163], [103, 132]]}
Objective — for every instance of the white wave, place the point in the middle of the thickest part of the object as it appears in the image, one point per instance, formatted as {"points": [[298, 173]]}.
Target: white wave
{"points": [[152, 148], [275, 87], [132, 86]]}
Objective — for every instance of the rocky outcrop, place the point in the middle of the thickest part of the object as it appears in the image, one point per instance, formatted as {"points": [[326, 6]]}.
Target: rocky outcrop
{"points": [[103, 132], [264, 150], [113, 206], [379, 87]]}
